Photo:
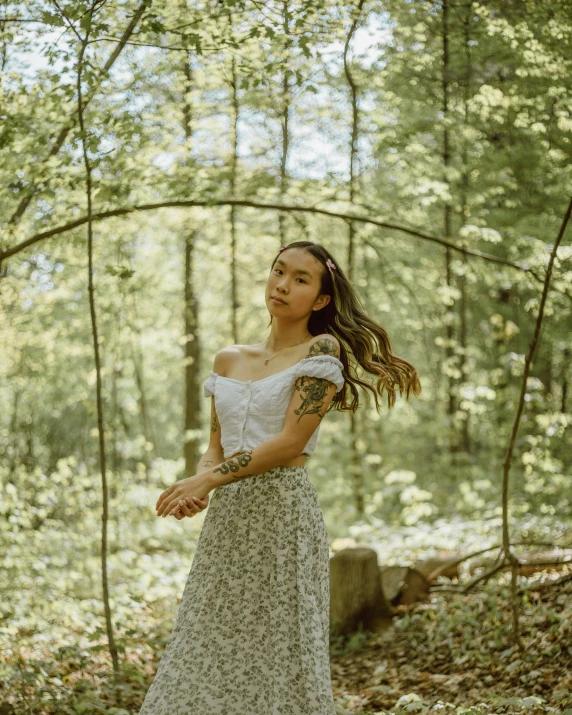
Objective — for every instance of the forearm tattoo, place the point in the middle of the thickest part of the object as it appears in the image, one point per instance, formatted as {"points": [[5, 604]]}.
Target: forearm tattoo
{"points": [[214, 422], [313, 391], [207, 464], [233, 464]]}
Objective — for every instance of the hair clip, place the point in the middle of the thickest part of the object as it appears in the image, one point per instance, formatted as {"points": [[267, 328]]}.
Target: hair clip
{"points": [[331, 265]]}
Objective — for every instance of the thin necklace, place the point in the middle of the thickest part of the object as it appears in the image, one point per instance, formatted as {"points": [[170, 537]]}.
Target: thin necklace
{"points": [[278, 353]]}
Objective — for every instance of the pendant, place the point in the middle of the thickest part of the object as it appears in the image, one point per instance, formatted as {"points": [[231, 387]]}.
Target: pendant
{"points": [[266, 361]]}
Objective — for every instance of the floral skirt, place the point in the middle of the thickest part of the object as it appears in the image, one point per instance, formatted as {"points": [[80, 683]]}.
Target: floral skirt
{"points": [[251, 635]]}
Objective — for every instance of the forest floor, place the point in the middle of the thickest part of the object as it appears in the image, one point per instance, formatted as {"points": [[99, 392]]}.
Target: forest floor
{"points": [[452, 654], [455, 653]]}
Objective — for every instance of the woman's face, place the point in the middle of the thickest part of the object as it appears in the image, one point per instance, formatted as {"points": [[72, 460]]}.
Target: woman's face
{"points": [[295, 279]]}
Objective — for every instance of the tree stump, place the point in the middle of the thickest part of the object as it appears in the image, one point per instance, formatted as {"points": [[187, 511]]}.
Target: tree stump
{"points": [[356, 599]]}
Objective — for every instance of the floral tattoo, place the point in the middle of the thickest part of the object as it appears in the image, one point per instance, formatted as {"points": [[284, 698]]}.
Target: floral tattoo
{"points": [[313, 391], [324, 346]]}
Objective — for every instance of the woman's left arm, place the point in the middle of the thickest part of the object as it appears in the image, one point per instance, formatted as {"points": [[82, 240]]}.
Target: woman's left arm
{"points": [[309, 403]]}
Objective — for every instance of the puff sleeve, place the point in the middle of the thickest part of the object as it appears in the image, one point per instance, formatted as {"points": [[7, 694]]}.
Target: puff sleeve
{"points": [[209, 385], [325, 366]]}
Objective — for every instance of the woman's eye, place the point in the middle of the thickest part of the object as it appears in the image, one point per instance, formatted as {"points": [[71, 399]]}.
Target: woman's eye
{"points": [[279, 269]]}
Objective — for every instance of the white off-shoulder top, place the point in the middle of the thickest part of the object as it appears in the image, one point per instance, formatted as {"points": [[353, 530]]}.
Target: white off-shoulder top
{"points": [[253, 411]]}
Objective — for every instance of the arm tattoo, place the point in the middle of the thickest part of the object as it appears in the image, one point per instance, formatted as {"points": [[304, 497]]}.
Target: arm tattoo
{"points": [[324, 346], [313, 391], [234, 464], [207, 464], [214, 422]]}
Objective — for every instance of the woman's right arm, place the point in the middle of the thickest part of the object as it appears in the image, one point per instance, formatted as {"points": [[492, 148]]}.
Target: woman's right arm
{"points": [[214, 450], [214, 453]]}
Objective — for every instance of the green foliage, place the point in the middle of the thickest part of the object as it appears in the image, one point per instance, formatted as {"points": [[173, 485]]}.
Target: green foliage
{"points": [[472, 148], [455, 653]]}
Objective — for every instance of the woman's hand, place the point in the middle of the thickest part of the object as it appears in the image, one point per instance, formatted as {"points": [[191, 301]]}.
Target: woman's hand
{"points": [[191, 507], [195, 486]]}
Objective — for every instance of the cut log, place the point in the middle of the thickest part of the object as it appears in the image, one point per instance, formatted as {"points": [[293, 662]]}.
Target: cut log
{"points": [[356, 599], [403, 585], [441, 565]]}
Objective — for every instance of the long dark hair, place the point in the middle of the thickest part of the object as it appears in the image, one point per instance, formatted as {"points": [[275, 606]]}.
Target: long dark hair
{"points": [[363, 342]]}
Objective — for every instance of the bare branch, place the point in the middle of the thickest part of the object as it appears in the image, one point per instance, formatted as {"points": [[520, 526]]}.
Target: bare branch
{"points": [[6, 253]]}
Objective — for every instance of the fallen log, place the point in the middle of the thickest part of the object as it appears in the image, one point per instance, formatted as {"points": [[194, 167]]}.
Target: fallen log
{"points": [[404, 585]]}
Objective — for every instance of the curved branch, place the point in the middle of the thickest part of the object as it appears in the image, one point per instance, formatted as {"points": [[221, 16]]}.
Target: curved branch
{"points": [[57, 230]]}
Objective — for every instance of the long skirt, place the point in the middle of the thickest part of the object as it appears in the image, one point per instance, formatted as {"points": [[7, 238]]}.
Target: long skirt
{"points": [[251, 635]]}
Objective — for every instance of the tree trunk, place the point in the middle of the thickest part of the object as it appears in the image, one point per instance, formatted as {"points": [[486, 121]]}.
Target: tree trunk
{"points": [[565, 380], [192, 360], [356, 470], [192, 347], [286, 99], [235, 305], [100, 417], [452, 382]]}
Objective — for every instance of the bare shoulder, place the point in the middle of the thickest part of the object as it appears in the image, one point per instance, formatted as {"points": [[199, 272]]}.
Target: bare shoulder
{"points": [[324, 344], [225, 358]]}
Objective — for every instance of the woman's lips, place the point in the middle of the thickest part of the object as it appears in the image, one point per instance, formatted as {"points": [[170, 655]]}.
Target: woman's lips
{"points": [[278, 300]]}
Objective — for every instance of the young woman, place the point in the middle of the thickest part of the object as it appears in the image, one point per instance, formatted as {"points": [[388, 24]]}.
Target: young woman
{"points": [[251, 636]]}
